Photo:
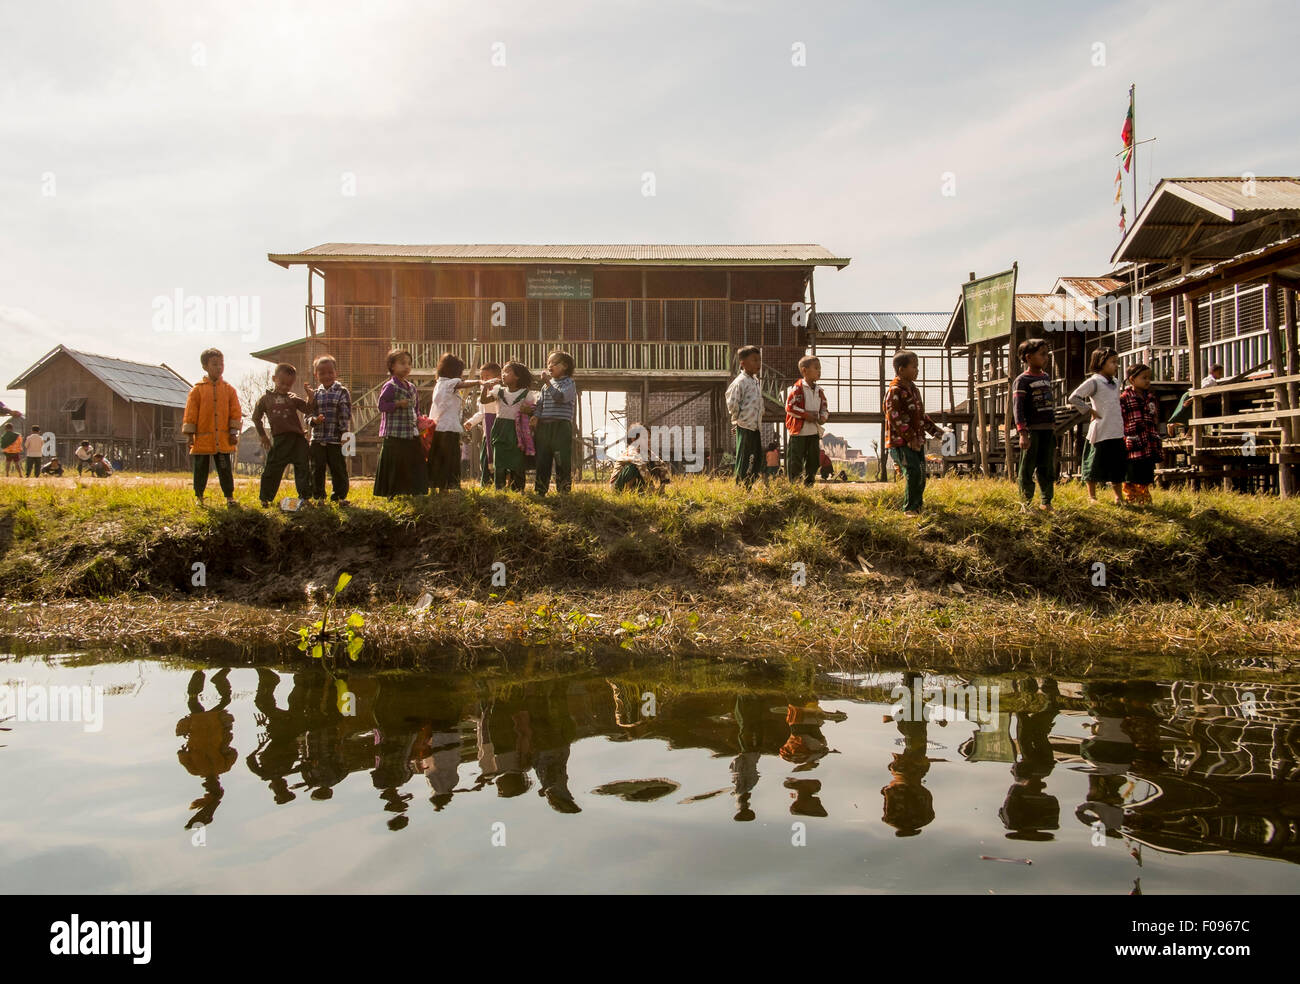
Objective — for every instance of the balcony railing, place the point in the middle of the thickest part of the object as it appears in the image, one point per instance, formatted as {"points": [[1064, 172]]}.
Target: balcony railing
{"points": [[633, 357]]}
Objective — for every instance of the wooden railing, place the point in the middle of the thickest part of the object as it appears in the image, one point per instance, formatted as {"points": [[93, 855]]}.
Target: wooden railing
{"points": [[647, 357]]}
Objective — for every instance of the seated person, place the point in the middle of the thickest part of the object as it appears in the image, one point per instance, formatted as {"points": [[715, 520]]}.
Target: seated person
{"points": [[99, 466], [52, 467]]}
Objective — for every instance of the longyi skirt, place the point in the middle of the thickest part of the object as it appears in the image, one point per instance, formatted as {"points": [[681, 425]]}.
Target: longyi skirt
{"points": [[401, 469]]}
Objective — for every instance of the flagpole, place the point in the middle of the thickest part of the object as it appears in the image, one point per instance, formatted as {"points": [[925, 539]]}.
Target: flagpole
{"points": [[1132, 101]]}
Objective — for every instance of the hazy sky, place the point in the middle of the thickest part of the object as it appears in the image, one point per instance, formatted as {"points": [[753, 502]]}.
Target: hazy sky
{"points": [[150, 146]]}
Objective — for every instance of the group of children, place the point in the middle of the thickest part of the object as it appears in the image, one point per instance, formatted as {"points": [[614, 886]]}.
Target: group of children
{"points": [[15, 449], [421, 453], [1123, 440]]}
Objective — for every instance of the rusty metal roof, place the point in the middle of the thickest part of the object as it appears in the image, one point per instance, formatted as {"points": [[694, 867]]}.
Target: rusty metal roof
{"points": [[639, 254], [1087, 288], [136, 382], [921, 327], [1194, 217], [1285, 251]]}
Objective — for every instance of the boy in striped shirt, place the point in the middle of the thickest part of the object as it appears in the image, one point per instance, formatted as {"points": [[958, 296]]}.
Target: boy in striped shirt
{"points": [[554, 415]]}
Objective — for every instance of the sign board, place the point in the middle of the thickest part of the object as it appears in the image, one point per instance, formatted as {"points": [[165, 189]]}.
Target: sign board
{"points": [[989, 305], [559, 283]]}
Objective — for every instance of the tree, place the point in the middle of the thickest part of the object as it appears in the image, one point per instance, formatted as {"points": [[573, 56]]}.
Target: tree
{"points": [[251, 387]]}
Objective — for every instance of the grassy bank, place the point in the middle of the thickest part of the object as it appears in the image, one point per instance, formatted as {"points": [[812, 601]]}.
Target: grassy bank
{"points": [[1198, 579]]}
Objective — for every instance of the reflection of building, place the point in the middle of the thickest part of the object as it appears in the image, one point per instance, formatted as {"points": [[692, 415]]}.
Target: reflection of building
{"points": [[130, 411]]}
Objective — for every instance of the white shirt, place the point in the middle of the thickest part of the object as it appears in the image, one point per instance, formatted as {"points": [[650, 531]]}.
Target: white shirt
{"points": [[745, 401], [85, 454], [445, 409], [1208, 381], [1102, 395], [507, 407], [34, 445], [812, 402]]}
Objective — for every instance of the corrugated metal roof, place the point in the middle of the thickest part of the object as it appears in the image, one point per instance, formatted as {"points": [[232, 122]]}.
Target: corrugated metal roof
{"points": [[134, 381], [1087, 288], [773, 254], [1041, 308], [921, 326], [1183, 215], [1187, 282]]}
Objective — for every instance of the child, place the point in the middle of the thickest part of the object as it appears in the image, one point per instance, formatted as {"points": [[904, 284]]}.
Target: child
{"points": [[1035, 416], [1104, 457], [84, 453], [773, 459], [99, 466], [53, 468], [745, 405], [1141, 434], [554, 415], [287, 443], [516, 378], [444, 453], [212, 419], [11, 444], [805, 404], [490, 375], [35, 447], [906, 424], [331, 405], [401, 469]]}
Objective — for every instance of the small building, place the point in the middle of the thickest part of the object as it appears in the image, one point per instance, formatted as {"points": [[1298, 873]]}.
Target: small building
{"points": [[658, 323], [130, 411]]}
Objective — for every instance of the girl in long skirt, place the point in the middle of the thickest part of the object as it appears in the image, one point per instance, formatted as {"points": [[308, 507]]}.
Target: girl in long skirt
{"points": [[402, 469]]}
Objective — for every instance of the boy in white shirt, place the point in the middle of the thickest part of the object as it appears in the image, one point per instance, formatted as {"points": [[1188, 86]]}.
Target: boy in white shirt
{"points": [[745, 405]]}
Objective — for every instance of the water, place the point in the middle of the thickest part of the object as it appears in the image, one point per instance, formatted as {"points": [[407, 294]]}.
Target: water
{"points": [[648, 779]]}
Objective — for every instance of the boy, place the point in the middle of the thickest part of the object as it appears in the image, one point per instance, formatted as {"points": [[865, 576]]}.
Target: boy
{"points": [[34, 446], [212, 419], [1034, 412], [287, 443], [490, 376], [99, 466], [745, 405], [84, 453], [331, 405], [554, 413], [11, 444], [906, 424], [805, 404]]}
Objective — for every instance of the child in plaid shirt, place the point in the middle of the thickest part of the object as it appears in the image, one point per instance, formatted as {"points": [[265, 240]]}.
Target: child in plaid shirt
{"points": [[331, 418], [1141, 434], [906, 424], [402, 469]]}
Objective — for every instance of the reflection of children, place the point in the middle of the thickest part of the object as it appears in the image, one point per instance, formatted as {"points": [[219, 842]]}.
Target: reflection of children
{"points": [[207, 752], [909, 805], [806, 745]]}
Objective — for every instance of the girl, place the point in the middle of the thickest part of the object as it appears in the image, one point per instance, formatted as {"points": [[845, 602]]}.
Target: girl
{"points": [[509, 397], [401, 469], [1141, 434], [444, 452], [1105, 458]]}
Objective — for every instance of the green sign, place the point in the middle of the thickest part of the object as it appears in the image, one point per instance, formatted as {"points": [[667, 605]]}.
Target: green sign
{"points": [[989, 306], [559, 283]]}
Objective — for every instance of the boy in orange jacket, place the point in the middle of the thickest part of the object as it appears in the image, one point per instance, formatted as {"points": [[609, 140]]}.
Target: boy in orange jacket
{"points": [[212, 419]]}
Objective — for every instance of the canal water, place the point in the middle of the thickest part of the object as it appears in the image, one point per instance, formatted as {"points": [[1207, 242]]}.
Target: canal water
{"points": [[686, 777]]}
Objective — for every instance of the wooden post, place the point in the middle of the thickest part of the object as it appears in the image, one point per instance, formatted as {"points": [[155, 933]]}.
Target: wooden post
{"points": [[392, 308], [972, 442], [1194, 366], [1281, 392], [980, 413], [310, 314]]}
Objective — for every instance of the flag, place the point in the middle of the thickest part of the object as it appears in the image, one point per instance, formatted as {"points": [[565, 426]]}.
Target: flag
{"points": [[1127, 133], [1122, 212], [1119, 186]]}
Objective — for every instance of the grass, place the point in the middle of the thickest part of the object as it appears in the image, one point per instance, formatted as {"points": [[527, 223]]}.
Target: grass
{"points": [[834, 574]]}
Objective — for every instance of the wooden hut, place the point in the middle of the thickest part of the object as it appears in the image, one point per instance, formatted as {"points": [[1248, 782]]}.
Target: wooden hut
{"points": [[660, 323], [130, 411]]}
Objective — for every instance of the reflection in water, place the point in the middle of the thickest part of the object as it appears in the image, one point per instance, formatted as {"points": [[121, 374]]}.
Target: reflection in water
{"points": [[1181, 767]]}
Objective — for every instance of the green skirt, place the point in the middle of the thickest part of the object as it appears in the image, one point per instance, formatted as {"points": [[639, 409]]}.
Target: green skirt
{"points": [[505, 447], [1105, 461]]}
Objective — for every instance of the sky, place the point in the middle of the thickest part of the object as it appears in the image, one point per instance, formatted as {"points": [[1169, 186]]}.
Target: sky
{"points": [[150, 147]]}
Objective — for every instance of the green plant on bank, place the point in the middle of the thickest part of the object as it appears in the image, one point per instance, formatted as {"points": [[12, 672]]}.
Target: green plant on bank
{"points": [[320, 636]]}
